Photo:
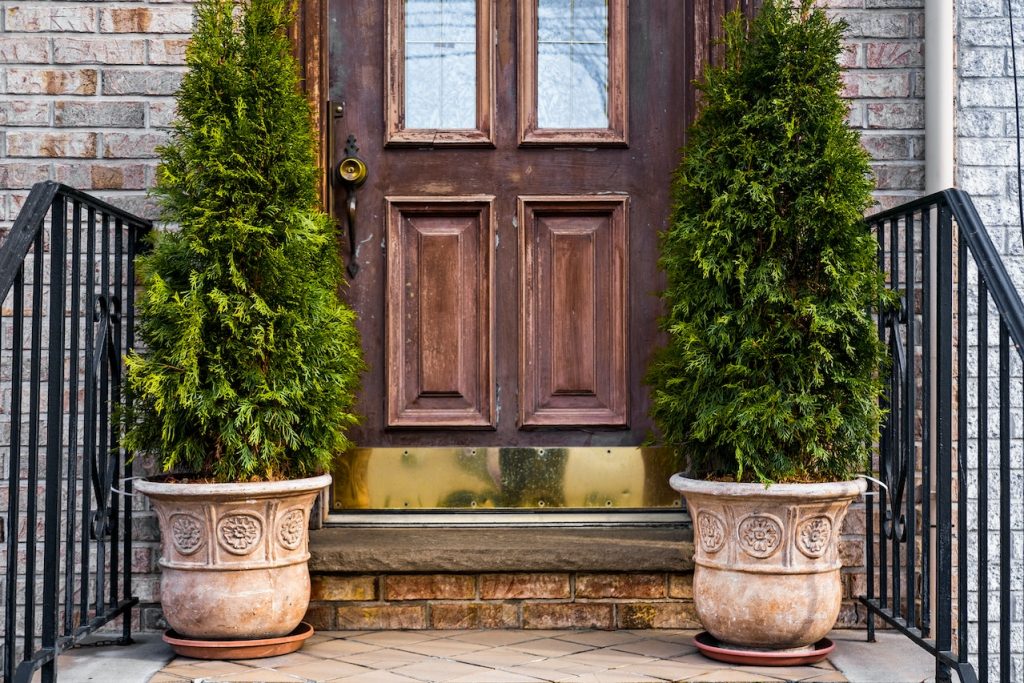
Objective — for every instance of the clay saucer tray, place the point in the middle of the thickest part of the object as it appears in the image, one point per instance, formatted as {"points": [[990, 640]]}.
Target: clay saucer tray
{"points": [[709, 646], [238, 649]]}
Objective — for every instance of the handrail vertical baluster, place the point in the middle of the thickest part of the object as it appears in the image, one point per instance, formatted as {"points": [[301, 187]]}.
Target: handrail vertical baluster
{"points": [[1005, 671], [896, 425], [31, 495], [129, 307], [927, 263], [54, 435], [982, 478], [89, 407], [869, 521], [884, 456], [102, 463], [962, 536], [14, 474], [114, 398], [72, 483], [943, 440], [907, 413]]}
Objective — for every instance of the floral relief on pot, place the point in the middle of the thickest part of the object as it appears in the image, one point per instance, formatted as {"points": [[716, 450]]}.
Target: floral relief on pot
{"points": [[760, 535], [712, 531], [291, 528], [239, 533], [186, 533], [813, 535]]}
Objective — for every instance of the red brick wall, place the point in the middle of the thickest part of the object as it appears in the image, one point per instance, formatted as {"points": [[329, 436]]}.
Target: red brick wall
{"points": [[885, 87], [87, 96]]}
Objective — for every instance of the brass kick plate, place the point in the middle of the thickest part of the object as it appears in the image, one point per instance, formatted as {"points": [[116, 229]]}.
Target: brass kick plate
{"points": [[562, 478]]}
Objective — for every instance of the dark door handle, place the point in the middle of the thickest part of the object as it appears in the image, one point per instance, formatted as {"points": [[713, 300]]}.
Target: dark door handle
{"points": [[351, 174], [350, 207]]}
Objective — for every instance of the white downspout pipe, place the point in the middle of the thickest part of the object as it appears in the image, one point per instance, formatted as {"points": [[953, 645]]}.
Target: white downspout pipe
{"points": [[939, 111], [939, 45]]}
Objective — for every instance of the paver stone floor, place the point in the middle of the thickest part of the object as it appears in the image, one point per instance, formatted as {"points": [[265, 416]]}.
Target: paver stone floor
{"points": [[474, 656]]}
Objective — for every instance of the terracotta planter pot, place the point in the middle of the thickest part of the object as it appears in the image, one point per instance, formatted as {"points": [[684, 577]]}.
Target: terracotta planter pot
{"points": [[767, 559], [233, 562]]}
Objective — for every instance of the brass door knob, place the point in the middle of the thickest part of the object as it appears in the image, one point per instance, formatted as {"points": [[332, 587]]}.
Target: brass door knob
{"points": [[352, 171]]}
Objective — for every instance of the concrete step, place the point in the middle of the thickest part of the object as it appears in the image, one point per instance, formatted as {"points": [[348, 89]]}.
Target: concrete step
{"points": [[501, 549]]}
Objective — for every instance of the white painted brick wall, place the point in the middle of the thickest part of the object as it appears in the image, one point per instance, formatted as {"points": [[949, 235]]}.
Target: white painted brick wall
{"points": [[986, 168]]}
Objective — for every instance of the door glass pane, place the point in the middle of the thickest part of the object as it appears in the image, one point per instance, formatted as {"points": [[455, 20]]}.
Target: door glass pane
{"points": [[440, 64], [572, 63]]}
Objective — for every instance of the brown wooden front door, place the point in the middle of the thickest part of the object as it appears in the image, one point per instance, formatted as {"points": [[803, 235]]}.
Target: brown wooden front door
{"points": [[519, 155]]}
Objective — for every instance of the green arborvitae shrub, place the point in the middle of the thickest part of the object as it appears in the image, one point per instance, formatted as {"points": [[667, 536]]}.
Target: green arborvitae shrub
{"points": [[251, 360], [771, 371]]}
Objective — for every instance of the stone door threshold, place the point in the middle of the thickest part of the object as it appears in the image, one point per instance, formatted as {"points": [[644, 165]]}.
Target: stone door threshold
{"points": [[412, 550]]}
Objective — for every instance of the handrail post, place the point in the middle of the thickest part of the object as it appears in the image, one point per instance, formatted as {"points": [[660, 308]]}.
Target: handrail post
{"points": [[943, 434]]}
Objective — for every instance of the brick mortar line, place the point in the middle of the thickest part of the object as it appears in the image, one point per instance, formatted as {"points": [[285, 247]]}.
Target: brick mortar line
{"points": [[84, 128], [136, 35], [884, 70], [92, 65], [441, 599], [67, 4], [38, 98]]}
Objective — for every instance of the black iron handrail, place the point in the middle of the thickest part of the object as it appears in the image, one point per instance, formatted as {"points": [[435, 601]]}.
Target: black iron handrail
{"points": [[924, 536], [79, 295]]}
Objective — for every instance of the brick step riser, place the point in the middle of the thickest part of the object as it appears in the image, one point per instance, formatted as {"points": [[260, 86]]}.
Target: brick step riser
{"points": [[515, 600], [502, 600]]}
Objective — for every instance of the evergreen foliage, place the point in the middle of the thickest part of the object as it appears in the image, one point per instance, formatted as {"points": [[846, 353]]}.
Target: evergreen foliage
{"points": [[251, 360], [771, 372]]}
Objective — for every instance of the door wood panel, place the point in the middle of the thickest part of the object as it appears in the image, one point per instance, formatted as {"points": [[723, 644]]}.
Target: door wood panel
{"points": [[574, 299], [308, 33], [439, 312]]}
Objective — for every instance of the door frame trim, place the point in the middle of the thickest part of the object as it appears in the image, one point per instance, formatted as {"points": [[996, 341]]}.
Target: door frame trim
{"points": [[311, 48], [311, 40]]}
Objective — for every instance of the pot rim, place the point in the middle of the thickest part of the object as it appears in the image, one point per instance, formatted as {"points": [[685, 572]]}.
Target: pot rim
{"points": [[159, 489], [731, 489]]}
